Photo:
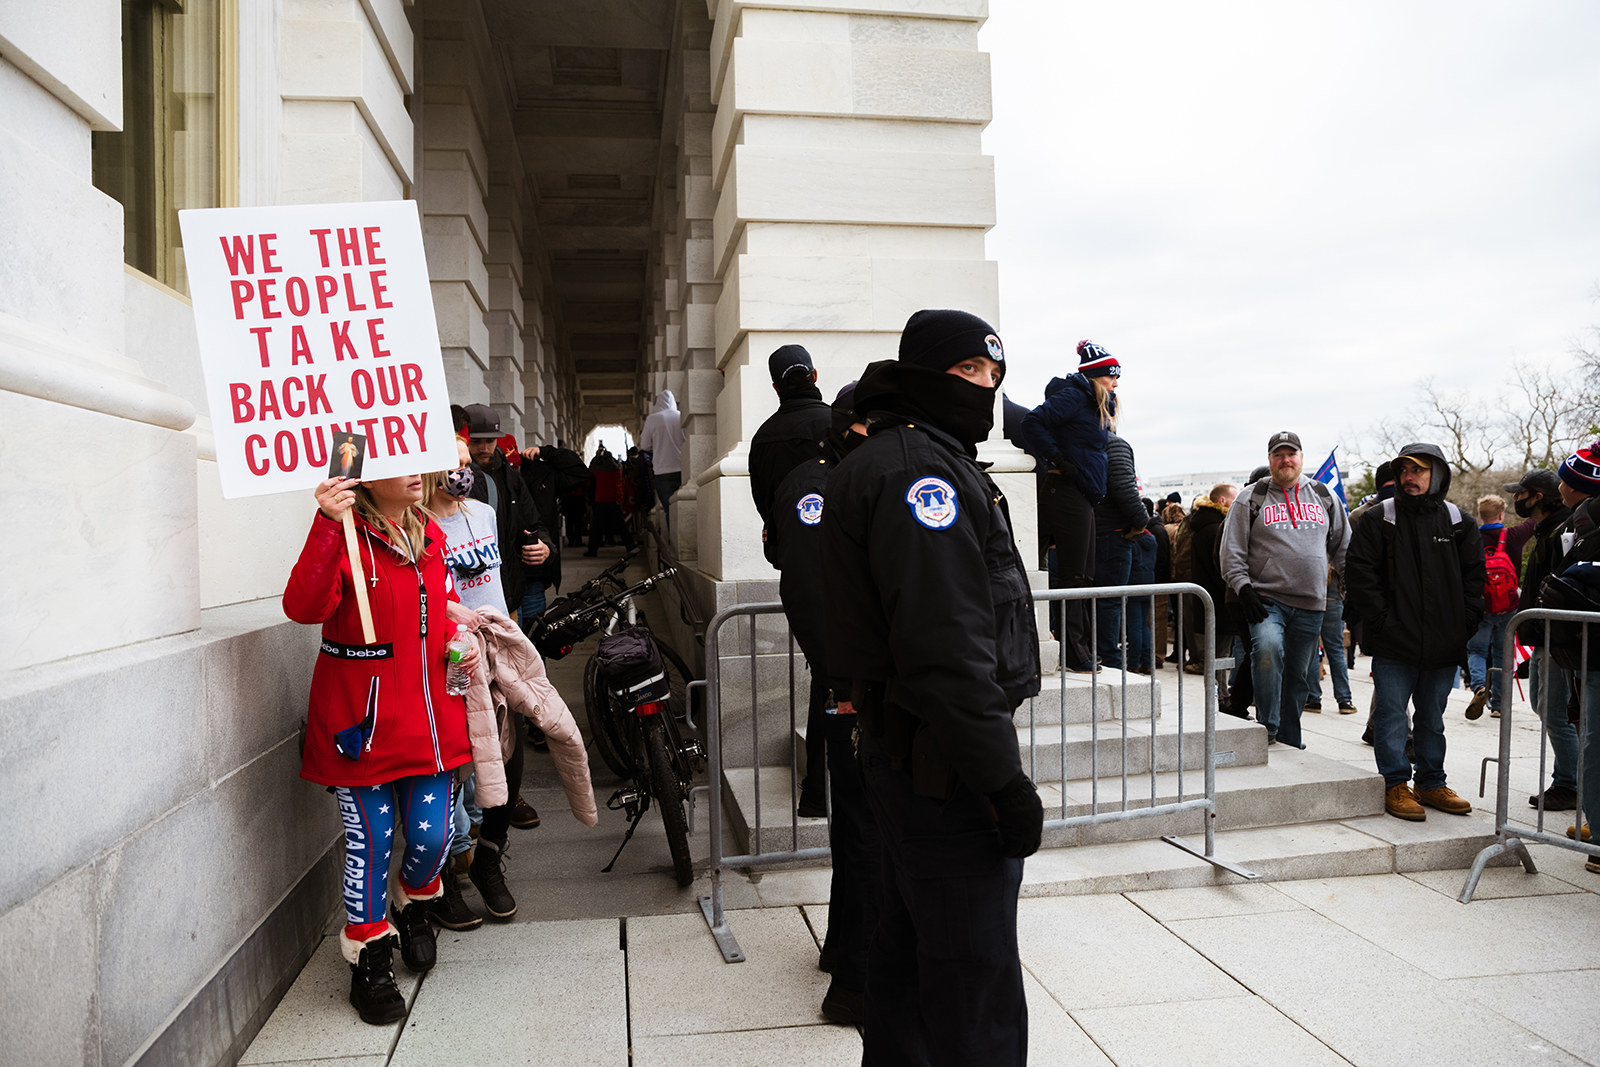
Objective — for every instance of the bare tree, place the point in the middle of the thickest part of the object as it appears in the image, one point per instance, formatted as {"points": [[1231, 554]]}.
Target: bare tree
{"points": [[1470, 436], [1552, 417]]}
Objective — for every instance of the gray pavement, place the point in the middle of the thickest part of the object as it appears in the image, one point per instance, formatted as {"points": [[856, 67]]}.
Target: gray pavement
{"points": [[1371, 969]]}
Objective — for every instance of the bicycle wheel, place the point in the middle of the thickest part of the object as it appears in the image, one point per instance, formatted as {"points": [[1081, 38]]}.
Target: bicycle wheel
{"points": [[669, 796], [601, 714]]}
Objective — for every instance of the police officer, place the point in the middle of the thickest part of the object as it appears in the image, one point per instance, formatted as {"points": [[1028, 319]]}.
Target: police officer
{"points": [[790, 437], [794, 545], [932, 623]]}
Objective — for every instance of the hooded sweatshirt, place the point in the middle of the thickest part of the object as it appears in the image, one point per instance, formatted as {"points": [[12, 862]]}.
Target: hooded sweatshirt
{"points": [[1285, 550], [1415, 575], [662, 435]]}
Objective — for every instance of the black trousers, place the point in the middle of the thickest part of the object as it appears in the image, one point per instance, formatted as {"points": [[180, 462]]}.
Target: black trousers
{"points": [[816, 736], [853, 836], [944, 981], [1068, 517]]}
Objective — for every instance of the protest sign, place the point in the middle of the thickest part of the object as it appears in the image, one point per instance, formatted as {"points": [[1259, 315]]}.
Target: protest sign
{"points": [[316, 321]]}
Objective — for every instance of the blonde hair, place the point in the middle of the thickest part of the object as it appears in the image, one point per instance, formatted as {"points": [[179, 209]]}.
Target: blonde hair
{"points": [[407, 537], [1102, 399], [1492, 506]]}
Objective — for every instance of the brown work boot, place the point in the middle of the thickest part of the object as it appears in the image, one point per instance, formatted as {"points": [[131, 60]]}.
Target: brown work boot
{"points": [[1446, 800], [1401, 802]]}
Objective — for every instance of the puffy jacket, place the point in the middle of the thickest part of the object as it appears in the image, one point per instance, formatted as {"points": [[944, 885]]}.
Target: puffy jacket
{"points": [[927, 592], [1067, 428], [792, 435], [1414, 574], [418, 728], [1121, 510]]}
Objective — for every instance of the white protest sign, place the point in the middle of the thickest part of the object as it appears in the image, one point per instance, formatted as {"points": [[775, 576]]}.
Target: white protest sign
{"points": [[316, 320]]}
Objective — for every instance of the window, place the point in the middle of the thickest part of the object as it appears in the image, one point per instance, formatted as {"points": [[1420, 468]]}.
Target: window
{"points": [[166, 157]]}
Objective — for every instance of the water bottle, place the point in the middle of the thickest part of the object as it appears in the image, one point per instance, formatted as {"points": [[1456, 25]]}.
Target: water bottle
{"points": [[455, 675]]}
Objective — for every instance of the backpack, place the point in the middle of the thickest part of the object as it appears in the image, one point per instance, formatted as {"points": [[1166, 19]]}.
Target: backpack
{"points": [[1499, 579], [1258, 498]]}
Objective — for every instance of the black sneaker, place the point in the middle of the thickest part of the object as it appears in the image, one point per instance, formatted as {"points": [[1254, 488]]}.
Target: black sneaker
{"points": [[1556, 798], [488, 874], [372, 990], [450, 911], [847, 1007], [418, 951], [813, 803]]}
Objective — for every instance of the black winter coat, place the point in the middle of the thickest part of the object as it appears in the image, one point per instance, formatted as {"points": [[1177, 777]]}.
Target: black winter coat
{"points": [[794, 546], [1417, 582], [1541, 563], [514, 512], [792, 435], [556, 472], [928, 594], [1121, 511], [1205, 560]]}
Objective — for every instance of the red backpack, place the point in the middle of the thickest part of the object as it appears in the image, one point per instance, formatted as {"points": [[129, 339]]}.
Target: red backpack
{"points": [[1499, 579]]}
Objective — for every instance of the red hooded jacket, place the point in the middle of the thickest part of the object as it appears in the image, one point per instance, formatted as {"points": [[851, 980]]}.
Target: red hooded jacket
{"points": [[418, 728]]}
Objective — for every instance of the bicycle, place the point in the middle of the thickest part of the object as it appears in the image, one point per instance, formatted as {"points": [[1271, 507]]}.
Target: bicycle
{"points": [[635, 694]]}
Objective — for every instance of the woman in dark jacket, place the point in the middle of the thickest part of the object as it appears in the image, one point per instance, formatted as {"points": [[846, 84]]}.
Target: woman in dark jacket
{"points": [[1070, 427], [382, 731], [1120, 522]]}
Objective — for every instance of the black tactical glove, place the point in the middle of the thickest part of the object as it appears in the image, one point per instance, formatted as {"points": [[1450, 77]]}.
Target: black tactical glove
{"points": [[1255, 610], [1019, 815]]}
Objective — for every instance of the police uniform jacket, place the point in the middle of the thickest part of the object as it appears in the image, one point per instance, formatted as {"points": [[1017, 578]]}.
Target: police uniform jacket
{"points": [[794, 546], [787, 439], [927, 594]]}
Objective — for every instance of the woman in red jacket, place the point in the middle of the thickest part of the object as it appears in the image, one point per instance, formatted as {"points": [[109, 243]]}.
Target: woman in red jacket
{"points": [[382, 731]]}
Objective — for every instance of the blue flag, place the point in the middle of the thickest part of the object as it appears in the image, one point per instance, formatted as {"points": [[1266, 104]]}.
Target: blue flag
{"points": [[1328, 474]]}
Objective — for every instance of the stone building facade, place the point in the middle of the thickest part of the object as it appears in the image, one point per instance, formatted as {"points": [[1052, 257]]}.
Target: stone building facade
{"points": [[618, 197]]}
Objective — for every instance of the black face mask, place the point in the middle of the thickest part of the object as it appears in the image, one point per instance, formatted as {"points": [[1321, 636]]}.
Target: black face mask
{"points": [[960, 408], [1524, 507]]}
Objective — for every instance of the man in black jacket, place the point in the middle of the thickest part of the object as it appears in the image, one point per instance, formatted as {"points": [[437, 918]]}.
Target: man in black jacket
{"points": [[525, 541], [550, 472], [1415, 575], [791, 436], [933, 625]]}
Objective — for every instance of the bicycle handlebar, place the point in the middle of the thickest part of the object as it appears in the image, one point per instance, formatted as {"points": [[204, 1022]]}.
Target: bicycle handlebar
{"points": [[618, 599]]}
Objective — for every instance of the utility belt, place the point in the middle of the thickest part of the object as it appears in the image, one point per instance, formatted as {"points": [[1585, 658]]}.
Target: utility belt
{"points": [[904, 739]]}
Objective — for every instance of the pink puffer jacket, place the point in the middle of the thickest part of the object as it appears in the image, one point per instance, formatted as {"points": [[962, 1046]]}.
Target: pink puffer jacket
{"points": [[512, 678]]}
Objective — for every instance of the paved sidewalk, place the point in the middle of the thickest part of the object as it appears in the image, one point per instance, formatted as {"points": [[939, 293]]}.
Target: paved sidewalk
{"points": [[1378, 969]]}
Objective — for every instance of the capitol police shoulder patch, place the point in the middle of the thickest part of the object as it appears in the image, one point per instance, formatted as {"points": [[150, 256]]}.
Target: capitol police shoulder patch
{"points": [[933, 503], [809, 508]]}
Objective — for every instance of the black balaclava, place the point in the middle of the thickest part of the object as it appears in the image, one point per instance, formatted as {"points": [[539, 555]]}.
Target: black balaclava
{"points": [[932, 342]]}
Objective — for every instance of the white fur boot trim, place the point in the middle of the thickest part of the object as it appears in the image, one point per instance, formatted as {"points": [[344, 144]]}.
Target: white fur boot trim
{"points": [[351, 950]]}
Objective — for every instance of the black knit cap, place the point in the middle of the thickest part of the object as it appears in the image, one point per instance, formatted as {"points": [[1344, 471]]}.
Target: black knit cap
{"points": [[939, 340], [786, 359], [844, 409]]}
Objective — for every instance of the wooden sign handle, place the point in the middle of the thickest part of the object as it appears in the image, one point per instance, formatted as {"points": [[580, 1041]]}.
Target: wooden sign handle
{"points": [[360, 577]]}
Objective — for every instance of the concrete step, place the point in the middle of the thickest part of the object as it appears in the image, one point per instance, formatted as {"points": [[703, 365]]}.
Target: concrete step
{"points": [[1066, 697], [1294, 787], [1100, 750]]}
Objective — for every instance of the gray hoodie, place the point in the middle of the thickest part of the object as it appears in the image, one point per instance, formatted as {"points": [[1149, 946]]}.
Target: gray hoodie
{"points": [[1286, 550]]}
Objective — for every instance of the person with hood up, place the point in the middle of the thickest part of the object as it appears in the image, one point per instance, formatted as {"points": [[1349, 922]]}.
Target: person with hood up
{"points": [[662, 437], [1071, 427], [1415, 576], [932, 624]]}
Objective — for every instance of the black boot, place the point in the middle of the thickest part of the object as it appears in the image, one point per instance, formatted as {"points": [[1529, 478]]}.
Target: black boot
{"points": [[488, 874], [418, 950], [372, 990], [450, 910]]}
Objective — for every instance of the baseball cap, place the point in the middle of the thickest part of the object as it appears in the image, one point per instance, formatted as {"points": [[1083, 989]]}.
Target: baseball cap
{"points": [[1283, 439], [787, 359], [1425, 462], [1537, 481], [482, 421]]}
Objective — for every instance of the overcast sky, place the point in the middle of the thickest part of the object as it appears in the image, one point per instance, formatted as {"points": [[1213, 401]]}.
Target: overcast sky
{"points": [[1284, 215]]}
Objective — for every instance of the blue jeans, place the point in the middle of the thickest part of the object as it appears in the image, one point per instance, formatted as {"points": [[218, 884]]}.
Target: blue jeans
{"points": [[1333, 650], [1562, 734], [1141, 572], [1283, 643], [467, 815], [532, 604], [1483, 656], [1426, 688], [1589, 794], [1113, 562]]}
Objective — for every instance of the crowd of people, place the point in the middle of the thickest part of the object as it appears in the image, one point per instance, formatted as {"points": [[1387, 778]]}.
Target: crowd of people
{"points": [[903, 585]]}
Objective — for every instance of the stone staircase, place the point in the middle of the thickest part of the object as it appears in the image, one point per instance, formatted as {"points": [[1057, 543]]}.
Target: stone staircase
{"points": [[1281, 812]]}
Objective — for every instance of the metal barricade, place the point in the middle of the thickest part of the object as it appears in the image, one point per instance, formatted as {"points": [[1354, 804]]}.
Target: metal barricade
{"points": [[1511, 840], [1129, 803]]}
